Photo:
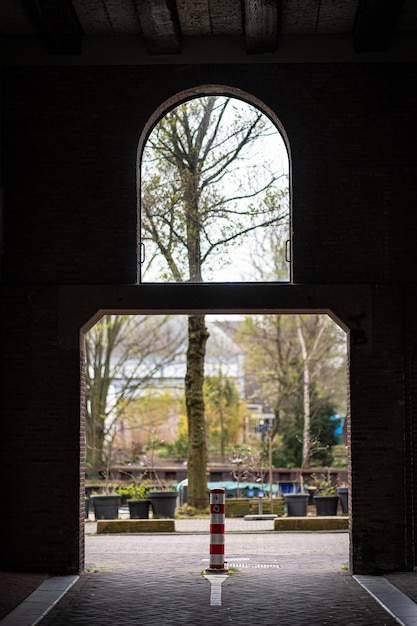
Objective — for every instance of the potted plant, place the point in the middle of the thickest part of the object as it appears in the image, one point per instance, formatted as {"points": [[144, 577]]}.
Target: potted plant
{"points": [[137, 499], [326, 498], [343, 493], [163, 501], [297, 501], [106, 505], [297, 504]]}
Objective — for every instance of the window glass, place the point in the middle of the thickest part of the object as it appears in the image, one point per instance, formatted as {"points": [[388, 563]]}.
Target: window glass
{"points": [[214, 195]]}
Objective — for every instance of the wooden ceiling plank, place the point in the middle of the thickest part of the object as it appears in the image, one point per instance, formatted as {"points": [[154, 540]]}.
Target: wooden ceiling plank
{"points": [[375, 23], [57, 23], [123, 17], [261, 19], [194, 16], [160, 26], [226, 17], [299, 17], [107, 17], [334, 22]]}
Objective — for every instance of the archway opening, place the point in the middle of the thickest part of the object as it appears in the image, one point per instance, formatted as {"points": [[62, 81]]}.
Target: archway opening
{"points": [[214, 191], [255, 398], [189, 249]]}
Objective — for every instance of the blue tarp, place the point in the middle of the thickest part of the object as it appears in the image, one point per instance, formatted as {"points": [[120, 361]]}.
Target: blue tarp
{"points": [[231, 487]]}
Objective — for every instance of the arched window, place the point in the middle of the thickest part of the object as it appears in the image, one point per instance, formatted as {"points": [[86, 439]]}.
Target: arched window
{"points": [[214, 193]]}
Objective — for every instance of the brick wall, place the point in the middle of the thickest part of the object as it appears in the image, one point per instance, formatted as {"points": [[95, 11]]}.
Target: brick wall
{"points": [[69, 144], [71, 174], [40, 438]]}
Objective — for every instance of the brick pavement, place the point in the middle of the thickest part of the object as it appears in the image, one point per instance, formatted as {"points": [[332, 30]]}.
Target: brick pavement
{"points": [[143, 579], [281, 578]]}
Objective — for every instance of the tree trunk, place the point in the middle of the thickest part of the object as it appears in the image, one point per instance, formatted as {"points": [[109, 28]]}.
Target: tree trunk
{"points": [[95, 427], [95, 438], [305, 460], [307, 417], [197, 447], [222, 431]]}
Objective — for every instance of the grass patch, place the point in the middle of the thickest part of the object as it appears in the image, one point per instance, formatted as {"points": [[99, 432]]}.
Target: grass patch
{"points": [[230, 571], [93, 569], [187, 512]]}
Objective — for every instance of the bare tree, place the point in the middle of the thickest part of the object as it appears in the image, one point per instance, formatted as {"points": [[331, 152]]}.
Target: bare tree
{"points": [[322, 351], [271, 356], [286, 353], [309, 350], [206, 185], [123, 353]]}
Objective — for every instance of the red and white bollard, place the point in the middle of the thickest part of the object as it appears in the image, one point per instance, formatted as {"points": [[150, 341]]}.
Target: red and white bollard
{"points": [[217, 517]]}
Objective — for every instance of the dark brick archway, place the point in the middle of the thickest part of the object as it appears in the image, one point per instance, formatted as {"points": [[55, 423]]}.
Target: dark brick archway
{"points": [[374, 505], [69, 145]]}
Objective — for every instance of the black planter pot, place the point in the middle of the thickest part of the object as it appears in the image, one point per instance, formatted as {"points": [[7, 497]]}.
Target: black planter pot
{"points": [[297, 504], [163, 503], [138, 509], [106, 507], [86, 507], [343, 497], [326, 505]]}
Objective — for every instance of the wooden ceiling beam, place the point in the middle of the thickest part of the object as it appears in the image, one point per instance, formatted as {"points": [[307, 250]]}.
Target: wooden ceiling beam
{"points": [[57, 24], [375, 22], [261, 21], [160, 26]]}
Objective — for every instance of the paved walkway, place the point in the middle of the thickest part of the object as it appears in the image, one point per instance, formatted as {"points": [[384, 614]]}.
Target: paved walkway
{"points": [[277, 579]]}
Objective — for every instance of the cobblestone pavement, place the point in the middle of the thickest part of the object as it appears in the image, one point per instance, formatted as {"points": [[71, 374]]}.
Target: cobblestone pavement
{"points": [[278, 579]]}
